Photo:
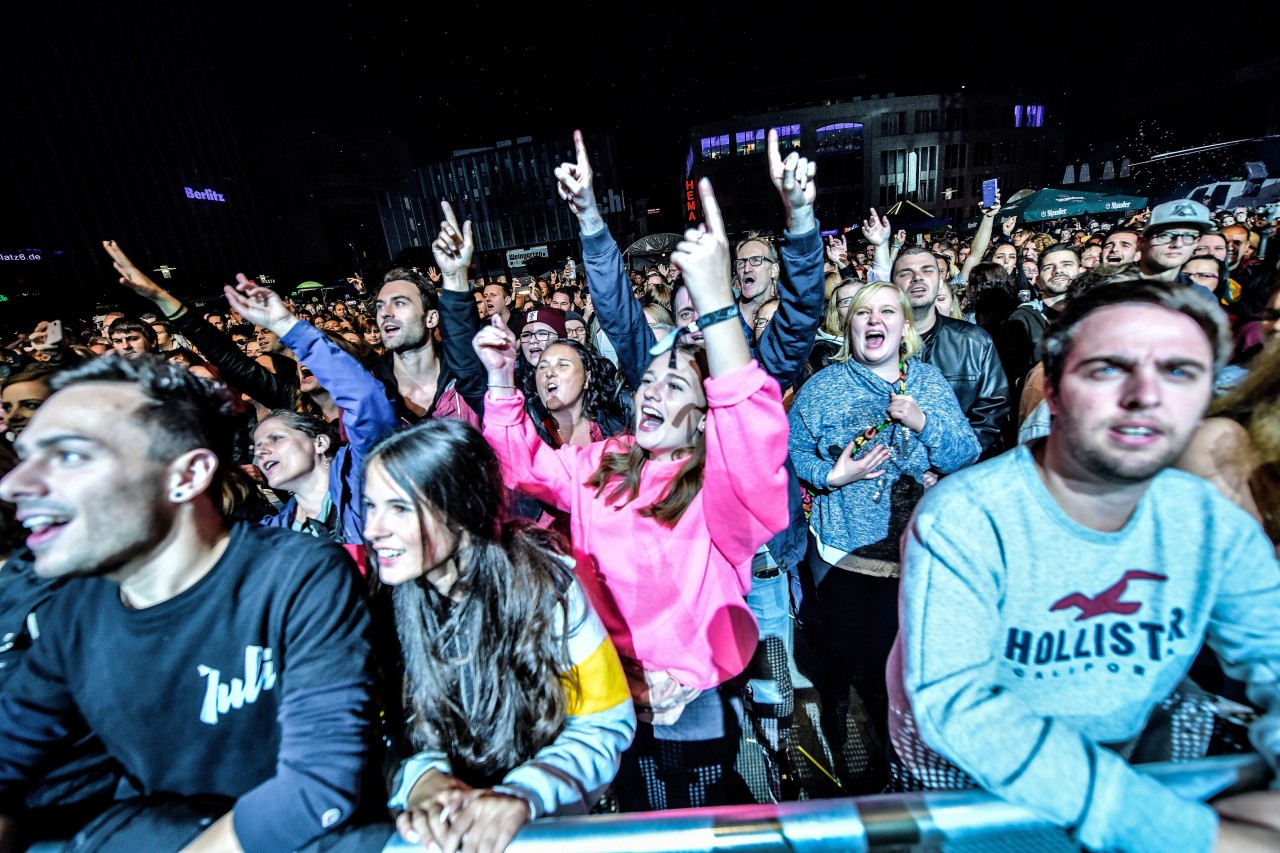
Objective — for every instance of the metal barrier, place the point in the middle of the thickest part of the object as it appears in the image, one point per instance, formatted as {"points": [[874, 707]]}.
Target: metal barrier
{"points": [[924, 821]]}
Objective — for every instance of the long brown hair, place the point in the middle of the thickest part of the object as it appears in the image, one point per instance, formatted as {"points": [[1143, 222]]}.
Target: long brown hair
{"points": [[624, 467], [489, 678], [1255, 403]]}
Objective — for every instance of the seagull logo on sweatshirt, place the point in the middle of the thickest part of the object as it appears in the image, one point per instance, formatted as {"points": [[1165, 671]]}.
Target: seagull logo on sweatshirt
{"points": [[1107, 601]]}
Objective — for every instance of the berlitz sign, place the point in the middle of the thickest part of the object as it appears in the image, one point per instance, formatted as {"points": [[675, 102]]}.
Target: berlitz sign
{"points": [[205, 194]]}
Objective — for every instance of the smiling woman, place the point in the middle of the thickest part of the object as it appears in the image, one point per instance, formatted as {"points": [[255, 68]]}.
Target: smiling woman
{"points": [[666, 522], [519, 703]]}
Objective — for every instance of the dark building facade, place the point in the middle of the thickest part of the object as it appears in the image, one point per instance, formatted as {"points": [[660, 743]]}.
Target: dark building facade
{"points": [[934, 150], [508, 192]]}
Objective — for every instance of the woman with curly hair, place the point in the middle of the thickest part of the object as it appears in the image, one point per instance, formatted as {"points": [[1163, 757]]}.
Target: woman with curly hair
{"points": [[574, 398]]}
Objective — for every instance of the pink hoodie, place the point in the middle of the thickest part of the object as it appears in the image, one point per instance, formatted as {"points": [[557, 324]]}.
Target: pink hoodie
{"points": [[671, 598]]}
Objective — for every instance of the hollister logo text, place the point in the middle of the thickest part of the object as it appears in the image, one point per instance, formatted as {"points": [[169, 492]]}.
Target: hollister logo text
{"points": [[1111, 645], [219, 698]]}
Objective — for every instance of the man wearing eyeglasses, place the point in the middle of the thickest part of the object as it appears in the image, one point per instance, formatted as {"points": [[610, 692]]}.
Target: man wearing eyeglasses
{"points": [[1170, 238], [755, 268]]}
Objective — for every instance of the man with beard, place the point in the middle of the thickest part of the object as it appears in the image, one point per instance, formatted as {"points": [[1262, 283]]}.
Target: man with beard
{"points": [[433, 378], [963, 352], [1018, 338], [1120, 247], [1054, 597]]}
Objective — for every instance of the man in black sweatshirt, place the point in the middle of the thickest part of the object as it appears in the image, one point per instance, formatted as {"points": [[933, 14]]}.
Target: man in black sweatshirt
{"points": [[222, 663]]}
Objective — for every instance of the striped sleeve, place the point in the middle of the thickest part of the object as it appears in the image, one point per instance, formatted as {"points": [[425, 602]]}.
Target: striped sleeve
{"points": [[570, 774]]}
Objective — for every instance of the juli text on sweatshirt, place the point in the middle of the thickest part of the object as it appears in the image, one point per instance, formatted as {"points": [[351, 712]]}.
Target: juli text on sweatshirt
{"points": [[671, 598], [1029, 641]]}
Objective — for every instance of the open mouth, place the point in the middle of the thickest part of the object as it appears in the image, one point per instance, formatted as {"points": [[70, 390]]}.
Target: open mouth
{"points": [[650, 419], [389, 329], [1135, 435], [44, 528], [874, 339], [388, 556]]}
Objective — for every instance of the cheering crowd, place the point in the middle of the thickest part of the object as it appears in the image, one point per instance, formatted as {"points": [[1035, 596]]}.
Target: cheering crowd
{"points": [[441, 559]]}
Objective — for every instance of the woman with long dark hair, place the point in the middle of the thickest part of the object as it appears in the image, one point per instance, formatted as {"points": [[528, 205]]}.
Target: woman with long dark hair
{"points": [[517, 699], [666, 522]]}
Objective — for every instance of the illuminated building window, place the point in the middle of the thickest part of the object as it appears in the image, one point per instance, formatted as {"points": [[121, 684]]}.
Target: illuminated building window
{"points": [[845, 136], [788, 137], [715, 147], [750, 141]]}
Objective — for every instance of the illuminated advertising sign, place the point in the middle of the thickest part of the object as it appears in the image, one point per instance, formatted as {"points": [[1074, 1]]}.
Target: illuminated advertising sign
{"points": [[22, 255], [204, 194]]}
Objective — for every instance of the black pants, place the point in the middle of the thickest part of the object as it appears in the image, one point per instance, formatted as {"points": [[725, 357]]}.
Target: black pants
{"points": [[851, 624]]}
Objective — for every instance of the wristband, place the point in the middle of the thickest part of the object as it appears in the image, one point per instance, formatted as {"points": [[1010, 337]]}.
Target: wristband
{"points": [[496, 385], [669, 342]]}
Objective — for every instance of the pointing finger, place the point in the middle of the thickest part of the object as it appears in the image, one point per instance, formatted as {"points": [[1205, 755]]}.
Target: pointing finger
{"points": [[710, 208]]}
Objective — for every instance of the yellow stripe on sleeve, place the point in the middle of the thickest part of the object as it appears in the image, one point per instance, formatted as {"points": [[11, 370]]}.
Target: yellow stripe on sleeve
{"points": [[601, 683]]}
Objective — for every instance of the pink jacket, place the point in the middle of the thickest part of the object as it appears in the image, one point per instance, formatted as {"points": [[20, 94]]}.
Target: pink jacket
{"points": [[672, 598]]}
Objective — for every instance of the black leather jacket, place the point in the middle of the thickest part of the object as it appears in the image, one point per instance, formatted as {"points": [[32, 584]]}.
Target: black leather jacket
{"points": [[965, 354]]}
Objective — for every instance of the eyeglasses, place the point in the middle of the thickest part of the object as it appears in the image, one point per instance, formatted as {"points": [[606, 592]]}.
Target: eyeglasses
{"points": [[846, 302], [241, 342], [755, 261], [1212, 276], [1164, 238], [578, 334], [541, 336]]}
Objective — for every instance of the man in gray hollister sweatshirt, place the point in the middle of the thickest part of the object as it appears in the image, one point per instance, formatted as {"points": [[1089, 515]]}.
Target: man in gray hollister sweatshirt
{"points": [[1052, 597]]}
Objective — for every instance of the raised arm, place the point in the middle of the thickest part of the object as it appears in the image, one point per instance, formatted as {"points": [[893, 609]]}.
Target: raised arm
{"points": [[981, 240], [784, 347], [238, 370], [528, 463], [367, 415], [621, 315], [453, 249], [875, 230]]}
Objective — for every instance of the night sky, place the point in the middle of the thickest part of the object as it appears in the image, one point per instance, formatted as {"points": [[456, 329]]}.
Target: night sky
{"points": [[458, 76]]}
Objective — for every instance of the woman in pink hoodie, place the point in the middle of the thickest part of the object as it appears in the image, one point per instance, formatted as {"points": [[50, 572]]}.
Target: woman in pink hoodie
{"points": [[664, 525]]}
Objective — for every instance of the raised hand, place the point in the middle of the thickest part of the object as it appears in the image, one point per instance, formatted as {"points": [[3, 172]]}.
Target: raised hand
{"points": [[793, 178], [259, 305], [138, 281], [838, 250], [875, 229], [993, 209], [849, 470], [575, 183], [495, 346], [703, 257], [452, 249], [900, 237], [1008, 225]]}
